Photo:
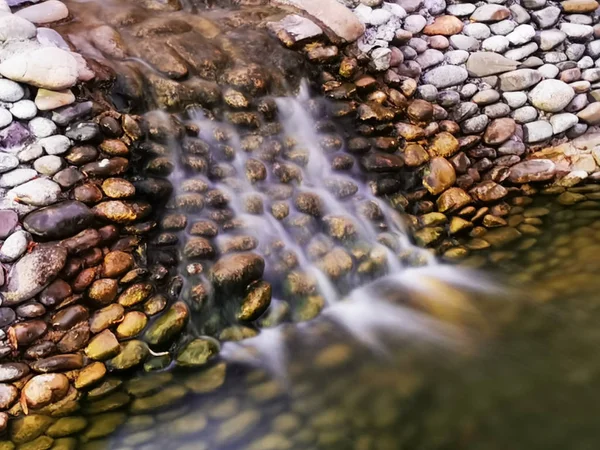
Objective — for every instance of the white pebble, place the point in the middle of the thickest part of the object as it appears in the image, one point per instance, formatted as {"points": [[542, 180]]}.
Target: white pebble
{"points": [[6, 117], [48, 165], [56, 145], [42, 127], [14, 246], [24, 109], [10, 91]]}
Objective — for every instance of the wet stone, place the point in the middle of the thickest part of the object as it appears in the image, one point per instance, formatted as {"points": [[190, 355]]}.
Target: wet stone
{"points": [[58, 221], [132, 354], [197, 353], [168, 325]]}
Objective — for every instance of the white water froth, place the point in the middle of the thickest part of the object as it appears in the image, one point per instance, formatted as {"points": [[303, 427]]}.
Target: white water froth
{"points": [[365, 314]]}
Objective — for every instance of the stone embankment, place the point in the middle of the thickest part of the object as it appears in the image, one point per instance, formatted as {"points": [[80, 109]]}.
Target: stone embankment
{"points": [[481, 103]]}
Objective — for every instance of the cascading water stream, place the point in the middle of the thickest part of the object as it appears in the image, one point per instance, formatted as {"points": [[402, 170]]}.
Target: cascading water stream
{"points": [[365, 313]]}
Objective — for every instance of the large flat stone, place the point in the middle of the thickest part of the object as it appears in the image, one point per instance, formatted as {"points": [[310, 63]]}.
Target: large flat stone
{"points": [[329, 14]]}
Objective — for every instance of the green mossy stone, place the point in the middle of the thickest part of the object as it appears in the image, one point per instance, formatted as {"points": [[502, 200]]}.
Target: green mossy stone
{"points": [[168, 326], [197, 353]]}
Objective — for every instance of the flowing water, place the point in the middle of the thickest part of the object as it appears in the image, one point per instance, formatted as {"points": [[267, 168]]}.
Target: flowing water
{"points": [[393, 351]]}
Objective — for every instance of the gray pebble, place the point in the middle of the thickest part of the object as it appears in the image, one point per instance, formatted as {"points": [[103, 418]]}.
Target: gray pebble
{"points": [[579, 102], [548, 70], [468, 90], [498, 44], [430, 58], [475, 125], [477, 30], [55, 145], [460, 9], [538, 131], [418, 44], [435, 7], [519, 53], [519, 14], [548, 39], [461, 42], [554, 57], [408, 53], [585, 63], [534, 4], [48, 165], [427, 92], [16, 177], [464, 111], [581, 19], [14, 246], [414, 23], [575, 51], [30, 153], [562, 122], [515, 99], [576, 31], [486, 97], [456, 57], [448, 98], [497, 110], [577, 130], [547, 17], [503, 27], [525, 114], [521, 34]]}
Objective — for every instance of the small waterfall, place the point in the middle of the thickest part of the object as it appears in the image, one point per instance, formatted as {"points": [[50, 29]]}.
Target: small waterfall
{"points": [[371, 309]]}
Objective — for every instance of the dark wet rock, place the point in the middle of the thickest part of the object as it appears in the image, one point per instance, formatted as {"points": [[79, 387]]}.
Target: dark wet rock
{"points": [[121, 212], [33, 272], [83, 131], [7, 316], [168, 326], [441, 176], [58, 363], [382, 162], [106, 167], [56, 291], [237, 270], [256, 301], [452, 200], [68, 177], [59, 221], [30, 310], [309, 203], [106, 317], [532, 170], [103, 291], [103, 346], [40, 350], [68, 317], [197, 353], [489, 191], [87, 193], [64, 116], [135, 294], [12, 371], [25, 333]]}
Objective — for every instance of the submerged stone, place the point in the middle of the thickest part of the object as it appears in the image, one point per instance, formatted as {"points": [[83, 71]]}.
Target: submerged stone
{"points": [[197, 353]]}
